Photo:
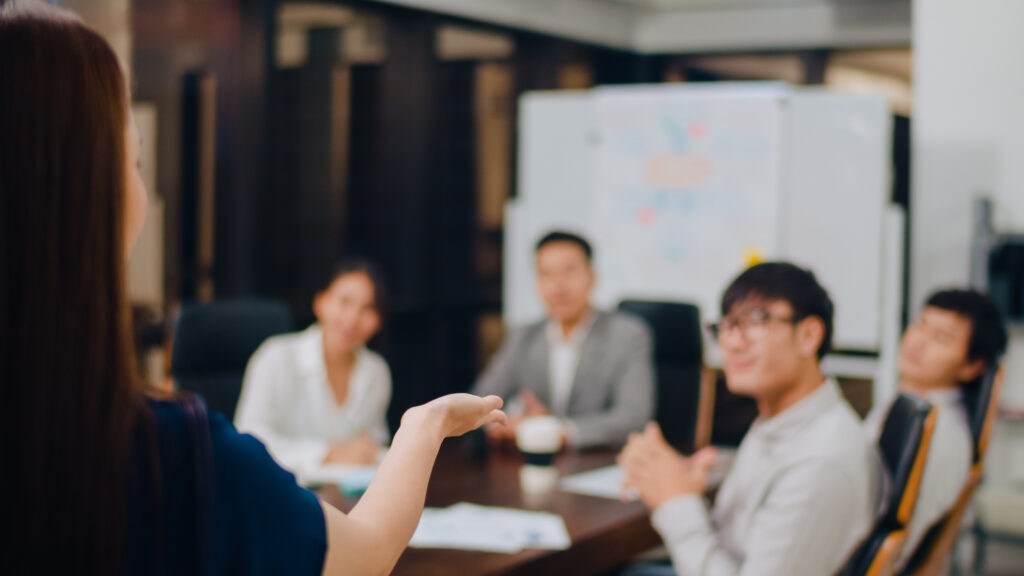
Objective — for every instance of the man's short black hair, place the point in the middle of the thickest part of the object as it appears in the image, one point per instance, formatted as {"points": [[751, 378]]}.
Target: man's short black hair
{"points": [[789, 283], [562, 236], [988, 332]]}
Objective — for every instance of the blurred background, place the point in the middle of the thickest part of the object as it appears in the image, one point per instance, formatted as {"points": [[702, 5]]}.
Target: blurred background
{"points": [[279, 136]]}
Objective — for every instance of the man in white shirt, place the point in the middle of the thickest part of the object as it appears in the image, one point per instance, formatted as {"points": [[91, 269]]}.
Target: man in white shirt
{"points": [[590, 368], [958, 334], [798, 498]]}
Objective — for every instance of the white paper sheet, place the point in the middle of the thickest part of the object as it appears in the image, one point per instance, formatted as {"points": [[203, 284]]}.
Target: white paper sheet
{"points": [[607, 482], [603, 483], [466, 526], [350, 480], [438, 528]]}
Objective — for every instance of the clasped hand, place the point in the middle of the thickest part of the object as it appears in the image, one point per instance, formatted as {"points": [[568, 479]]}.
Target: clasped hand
{"points": [[657, 473]]}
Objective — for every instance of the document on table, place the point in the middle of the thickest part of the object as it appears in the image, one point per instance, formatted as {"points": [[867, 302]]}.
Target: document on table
{"points": [[466, 526], [603, 483], [607, 482], [351, 480]]}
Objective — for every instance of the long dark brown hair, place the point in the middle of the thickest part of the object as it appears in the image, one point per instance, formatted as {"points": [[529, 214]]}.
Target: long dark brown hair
{"points": [[70, 397]]}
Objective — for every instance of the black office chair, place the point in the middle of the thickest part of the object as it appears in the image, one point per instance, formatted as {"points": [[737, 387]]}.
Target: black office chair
{"points": [[213, 343], [903, 446], [678, 359], [981, 401], [732, 415]]}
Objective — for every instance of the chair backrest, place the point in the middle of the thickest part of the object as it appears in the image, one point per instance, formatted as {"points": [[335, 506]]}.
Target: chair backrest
{"points": [[936, 546], [213, 343], [733, 415], [678, 358], [903, 446], [981, 400]]}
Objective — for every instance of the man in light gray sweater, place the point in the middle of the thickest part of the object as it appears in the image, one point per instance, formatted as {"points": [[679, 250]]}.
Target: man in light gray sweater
{"points": [[957, 336], [799, 496], [590, 368]]}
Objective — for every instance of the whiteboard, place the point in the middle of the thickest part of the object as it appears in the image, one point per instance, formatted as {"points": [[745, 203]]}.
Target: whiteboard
{"points": [[680, 187], [554, 176], [687, 190], [837, 194]]}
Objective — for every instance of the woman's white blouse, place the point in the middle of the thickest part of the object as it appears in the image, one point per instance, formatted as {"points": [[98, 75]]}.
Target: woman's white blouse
{"points": [[288, 403]]}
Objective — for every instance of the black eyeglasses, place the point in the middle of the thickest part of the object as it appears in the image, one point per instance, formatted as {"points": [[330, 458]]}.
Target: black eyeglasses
{"points": [[752, 325]]}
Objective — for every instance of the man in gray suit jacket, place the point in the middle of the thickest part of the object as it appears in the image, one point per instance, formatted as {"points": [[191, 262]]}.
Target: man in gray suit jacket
{"points": [[593, 369]]}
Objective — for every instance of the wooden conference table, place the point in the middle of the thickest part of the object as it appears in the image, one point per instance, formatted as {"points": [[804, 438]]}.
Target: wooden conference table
{"points": [[605, 533]]}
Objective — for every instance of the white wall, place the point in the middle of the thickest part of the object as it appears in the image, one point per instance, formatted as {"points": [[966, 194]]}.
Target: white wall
{"points": [[968, 138]]}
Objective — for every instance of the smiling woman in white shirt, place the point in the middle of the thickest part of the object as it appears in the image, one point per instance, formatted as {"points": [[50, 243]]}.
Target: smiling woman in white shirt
{"points": [[321, 396]]}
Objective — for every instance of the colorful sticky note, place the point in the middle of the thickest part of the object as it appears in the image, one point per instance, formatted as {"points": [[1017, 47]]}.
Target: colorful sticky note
{"points": [[645, 216], [752, 256], [698, 130]]}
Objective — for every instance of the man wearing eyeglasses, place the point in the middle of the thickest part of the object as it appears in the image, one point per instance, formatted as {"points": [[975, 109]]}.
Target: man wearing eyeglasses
{"points": [[799, 495], [958, 334]]}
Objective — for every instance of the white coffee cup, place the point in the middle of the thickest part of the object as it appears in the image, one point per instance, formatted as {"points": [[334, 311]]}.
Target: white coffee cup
{"points": [[539, 439], [538, 480]]}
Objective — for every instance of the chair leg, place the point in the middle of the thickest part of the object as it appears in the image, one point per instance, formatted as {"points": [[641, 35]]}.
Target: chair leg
{"points": [[980, 544]]}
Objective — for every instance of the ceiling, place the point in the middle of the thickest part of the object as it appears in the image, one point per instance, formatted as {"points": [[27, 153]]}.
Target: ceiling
{"points": [[706, 4], [696, 26]]}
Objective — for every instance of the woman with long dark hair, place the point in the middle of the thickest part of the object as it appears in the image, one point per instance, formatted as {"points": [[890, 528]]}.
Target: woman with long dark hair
{"points": [[99, 476]]}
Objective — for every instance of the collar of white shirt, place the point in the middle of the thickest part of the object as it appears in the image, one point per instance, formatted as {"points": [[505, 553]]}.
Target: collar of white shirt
{"points": [[794, 418], [578, 334], [944, 397], [309, 355]]}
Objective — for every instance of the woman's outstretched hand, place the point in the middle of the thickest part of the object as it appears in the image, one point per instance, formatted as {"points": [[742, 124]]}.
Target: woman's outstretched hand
{"points": [[458, 413]]}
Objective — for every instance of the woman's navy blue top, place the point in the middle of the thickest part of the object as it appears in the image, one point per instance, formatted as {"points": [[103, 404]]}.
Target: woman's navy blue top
{"points": [[217, 503]]}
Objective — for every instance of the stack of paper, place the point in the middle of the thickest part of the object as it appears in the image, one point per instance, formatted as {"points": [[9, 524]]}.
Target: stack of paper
{"points": [[603, 482], [466, 526], [351, 480]]}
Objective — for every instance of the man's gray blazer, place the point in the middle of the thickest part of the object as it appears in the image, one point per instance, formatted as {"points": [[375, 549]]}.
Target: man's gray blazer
{"points": [[613, 392]]}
